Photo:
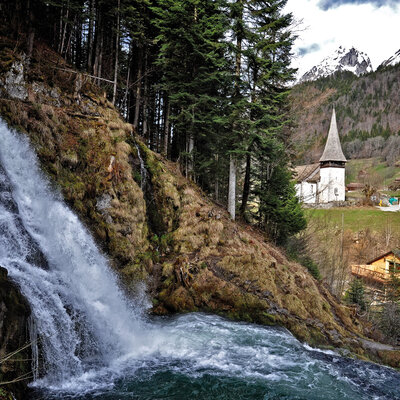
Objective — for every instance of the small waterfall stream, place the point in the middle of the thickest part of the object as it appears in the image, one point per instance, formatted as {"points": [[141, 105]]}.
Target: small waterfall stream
{"points": [[95, 344]]}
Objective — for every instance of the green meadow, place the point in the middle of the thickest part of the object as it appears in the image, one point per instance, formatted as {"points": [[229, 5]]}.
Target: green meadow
{"points": [[357, 218]]}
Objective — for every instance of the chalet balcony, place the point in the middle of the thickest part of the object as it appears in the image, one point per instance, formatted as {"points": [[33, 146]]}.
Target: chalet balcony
{"points": [[370, 272]]}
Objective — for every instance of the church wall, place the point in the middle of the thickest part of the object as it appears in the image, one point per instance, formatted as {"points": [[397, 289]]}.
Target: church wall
{"points": [[331, 185], [306, 192]]}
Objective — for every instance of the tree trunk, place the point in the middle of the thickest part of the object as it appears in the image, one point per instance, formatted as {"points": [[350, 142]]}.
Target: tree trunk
{"points": [[99, 45], [90, 36], [64, 31], [232, 188], [239, 39], [167, 108], [138, 88], [116, 55], [78, 43], [31, 29], [159, 123], [232, 161], [216, 184], [145, 100], [190, 147], [125, 102], [246, 186]]}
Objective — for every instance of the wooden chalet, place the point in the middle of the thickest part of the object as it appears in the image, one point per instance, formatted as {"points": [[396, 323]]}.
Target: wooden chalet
{"points": [[353, 186], [378, 270]]}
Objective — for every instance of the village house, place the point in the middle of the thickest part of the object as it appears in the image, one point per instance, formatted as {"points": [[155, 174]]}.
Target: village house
{"points": [[354, 186], [324, 182], [378, 270]]}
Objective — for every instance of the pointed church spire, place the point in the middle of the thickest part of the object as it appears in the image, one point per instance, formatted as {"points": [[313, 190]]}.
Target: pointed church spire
{"points": [[333, 149]]}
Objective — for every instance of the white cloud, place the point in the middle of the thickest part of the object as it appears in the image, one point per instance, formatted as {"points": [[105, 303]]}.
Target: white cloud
{"points": [[373, 30]]}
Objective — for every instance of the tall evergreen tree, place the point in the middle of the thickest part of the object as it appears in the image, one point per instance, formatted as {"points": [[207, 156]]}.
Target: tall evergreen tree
{"points": [[194, 75], [267, 178]]}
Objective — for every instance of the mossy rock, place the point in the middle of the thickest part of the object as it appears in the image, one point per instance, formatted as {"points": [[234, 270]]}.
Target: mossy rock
{"points": [[390, 357]]}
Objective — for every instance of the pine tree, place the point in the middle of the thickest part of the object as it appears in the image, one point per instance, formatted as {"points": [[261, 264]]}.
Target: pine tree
{"points": [[193, 64], [355, 294], [267, 177]]}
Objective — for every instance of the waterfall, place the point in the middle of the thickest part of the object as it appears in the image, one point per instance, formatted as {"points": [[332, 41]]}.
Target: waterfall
{"points": [[82, 316]]}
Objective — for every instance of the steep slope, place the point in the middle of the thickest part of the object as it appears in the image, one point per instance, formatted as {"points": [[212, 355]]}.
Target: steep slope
{"points": [[341, 60], [367, 111], [192, 256]]}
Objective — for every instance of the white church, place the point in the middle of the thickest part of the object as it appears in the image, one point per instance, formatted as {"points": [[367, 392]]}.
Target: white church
{"points": [[324, 182]]}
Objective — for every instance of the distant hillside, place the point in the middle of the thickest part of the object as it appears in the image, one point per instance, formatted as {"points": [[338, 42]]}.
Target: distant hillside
{"points": [[367, 109]]}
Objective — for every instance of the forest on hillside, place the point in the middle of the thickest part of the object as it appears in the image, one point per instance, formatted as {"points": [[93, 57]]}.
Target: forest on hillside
{"points": [[203, 82], [367, 110]]}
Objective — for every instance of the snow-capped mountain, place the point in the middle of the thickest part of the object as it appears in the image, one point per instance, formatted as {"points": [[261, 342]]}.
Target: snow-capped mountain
{"points": [[395, 59], [342, 59]]}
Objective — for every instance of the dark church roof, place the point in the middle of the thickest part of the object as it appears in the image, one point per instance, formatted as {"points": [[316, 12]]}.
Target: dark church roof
{"points": [[333, 149], [307, 173]]}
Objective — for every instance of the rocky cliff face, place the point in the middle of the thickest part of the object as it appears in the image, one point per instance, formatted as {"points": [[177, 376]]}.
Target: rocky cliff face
{"points": [[14, 335], [187, 249]]}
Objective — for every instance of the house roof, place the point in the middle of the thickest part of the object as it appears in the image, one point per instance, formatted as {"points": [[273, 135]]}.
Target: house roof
{"points": [[333, 149], [396, 252], [355, 185], [307, 173]]}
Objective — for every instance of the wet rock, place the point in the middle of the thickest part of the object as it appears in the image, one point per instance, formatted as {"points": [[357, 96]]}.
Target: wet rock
{"points": [[14, 314], [103, 202], [14, 82]]}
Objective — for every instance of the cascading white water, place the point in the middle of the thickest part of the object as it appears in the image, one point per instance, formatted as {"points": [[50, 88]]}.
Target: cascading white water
{"points": [[81, 314]]}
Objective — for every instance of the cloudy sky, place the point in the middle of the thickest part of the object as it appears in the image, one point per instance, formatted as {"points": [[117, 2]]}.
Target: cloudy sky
{"points": [[371, 26]]}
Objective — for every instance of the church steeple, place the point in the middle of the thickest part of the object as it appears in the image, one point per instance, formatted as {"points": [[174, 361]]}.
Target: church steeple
{"points": [[333, 153]]}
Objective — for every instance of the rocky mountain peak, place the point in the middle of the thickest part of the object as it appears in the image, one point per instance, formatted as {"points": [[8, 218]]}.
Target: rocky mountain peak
{"points": [[393, 60], [342, 59]]}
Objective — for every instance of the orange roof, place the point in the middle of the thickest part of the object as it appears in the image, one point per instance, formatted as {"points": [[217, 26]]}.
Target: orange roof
{"points": [[395, 252]]}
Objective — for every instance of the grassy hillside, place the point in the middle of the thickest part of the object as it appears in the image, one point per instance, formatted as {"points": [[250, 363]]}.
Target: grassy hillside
{"points": [[374, 171], [368, 115], [358, 219]]}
